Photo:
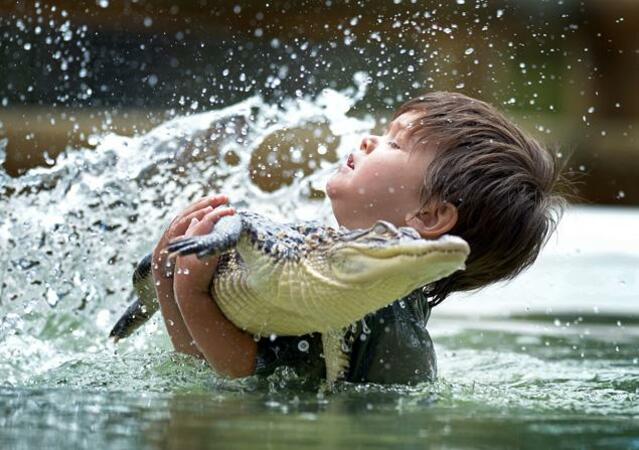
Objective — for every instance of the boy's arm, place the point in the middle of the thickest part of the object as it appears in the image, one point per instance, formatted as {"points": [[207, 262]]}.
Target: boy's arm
{"points": [[229, 350], [163, 274], [225, 347], [175, 326]]}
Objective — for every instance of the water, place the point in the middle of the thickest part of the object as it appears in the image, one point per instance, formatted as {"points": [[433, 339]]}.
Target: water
{"points": [[549, 360]]}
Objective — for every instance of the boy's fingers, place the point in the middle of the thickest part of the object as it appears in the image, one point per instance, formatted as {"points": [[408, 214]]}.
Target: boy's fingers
{"points": [[215, 215], [186, 221], [212, 200], [206, 223], [179, 227], [203, 225], [189, 230]]}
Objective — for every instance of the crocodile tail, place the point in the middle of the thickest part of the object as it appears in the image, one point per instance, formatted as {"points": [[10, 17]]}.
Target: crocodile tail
{"points": [[335, 356], [143, 307]]}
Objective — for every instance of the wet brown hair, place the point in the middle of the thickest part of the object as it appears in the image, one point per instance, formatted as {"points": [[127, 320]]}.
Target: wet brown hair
{"points": [[502, 181]]}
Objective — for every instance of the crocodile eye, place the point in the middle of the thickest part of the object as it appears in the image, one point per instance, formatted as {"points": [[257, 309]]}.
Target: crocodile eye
{"points": [[383, 227], [379, 228]]}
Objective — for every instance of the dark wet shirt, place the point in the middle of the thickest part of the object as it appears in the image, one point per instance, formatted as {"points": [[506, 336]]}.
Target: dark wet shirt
{"points": [[391, 345]]}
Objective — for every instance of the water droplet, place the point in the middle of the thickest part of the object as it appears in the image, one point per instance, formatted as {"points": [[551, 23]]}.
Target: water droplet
{"points": [[303, 345], [52, 297], [469, 51], [103, 3]]}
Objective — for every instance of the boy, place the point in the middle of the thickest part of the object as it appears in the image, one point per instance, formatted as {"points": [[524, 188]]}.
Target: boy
{"points": [[447, 164]]}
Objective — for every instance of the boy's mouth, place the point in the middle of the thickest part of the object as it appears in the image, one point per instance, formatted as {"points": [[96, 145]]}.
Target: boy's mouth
{"points": [[350, 162]]}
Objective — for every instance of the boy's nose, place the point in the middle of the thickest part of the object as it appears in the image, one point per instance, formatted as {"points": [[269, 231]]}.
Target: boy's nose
{"points": [[368, 143]]}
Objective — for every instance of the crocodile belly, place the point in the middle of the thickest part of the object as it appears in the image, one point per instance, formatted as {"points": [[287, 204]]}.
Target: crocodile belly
{"points": [[289, 302]]}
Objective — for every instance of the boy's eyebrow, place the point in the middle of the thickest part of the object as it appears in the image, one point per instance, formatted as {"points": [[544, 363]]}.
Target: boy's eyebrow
{"points": [[396, 129], [394, 124]]}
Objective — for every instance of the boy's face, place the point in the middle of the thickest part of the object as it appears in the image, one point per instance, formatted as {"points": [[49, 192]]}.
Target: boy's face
{"points": [[381, 180]]}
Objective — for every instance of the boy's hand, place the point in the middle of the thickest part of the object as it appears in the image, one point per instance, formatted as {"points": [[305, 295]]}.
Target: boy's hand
{"points": [[178, 227], [229, 350], [195, 323], [163, 270], [200, 271]]}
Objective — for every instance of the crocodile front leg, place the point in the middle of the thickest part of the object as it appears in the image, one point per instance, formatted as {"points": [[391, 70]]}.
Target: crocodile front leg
{"points": [[224, 236]]}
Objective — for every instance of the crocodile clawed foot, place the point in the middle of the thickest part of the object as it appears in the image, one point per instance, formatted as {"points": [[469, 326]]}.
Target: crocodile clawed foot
{"points": [[200, 245]]}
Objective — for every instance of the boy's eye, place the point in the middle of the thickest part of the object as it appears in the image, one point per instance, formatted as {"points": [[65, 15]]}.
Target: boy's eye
{"points": [[393, 144]]}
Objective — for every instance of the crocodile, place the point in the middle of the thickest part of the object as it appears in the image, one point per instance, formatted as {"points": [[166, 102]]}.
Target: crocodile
{"points": [[295, 279]]}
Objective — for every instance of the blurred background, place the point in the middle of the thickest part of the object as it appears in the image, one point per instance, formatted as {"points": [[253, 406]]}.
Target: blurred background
{"points": [[566, 70]]}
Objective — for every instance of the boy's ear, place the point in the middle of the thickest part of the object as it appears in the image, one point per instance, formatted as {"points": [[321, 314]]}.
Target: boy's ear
{"points": [[434, 220]]}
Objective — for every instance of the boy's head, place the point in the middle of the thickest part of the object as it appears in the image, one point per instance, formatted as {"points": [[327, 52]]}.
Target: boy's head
{"points": [[452, 164]]}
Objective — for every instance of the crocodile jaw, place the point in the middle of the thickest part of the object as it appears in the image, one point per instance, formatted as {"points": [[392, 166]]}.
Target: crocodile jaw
{"points": [[427, 260]]}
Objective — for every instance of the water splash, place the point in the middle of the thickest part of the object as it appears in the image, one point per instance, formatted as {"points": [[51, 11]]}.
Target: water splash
{"points": [[71, 234]]}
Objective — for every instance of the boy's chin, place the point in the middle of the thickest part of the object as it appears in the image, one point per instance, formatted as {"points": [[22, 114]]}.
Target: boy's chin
{"points": [[333, 185]]}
